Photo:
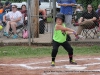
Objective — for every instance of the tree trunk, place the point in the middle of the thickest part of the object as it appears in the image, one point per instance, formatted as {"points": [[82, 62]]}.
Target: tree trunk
{"points": [[35, 18]]}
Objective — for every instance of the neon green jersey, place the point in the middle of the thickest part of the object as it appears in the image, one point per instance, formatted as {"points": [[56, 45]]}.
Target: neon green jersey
{"points": [[59, 36]]}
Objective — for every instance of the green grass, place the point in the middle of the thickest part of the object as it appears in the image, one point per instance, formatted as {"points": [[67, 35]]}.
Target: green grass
{"points": [[26, 52], [93, 50]]}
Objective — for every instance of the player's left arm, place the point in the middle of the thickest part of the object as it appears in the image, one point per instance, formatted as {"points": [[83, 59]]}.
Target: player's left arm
{"points": [[65, 29], [62, 28]]}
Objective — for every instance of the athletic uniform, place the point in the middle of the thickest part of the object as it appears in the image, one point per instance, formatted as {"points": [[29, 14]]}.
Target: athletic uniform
{"points": [[59, 38]]}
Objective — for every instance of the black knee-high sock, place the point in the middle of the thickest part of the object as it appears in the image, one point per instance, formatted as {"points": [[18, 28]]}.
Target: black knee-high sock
{"points": [[70, 58], [53, 59]]}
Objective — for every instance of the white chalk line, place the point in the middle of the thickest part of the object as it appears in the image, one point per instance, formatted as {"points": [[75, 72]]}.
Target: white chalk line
{"points": [[60, 61], [70, 67]]}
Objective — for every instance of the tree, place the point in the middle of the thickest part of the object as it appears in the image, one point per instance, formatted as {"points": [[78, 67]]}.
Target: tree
{"points": [[95, 3], [35, 23]]}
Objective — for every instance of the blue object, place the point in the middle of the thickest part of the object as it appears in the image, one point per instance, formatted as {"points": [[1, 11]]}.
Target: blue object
{"points": [[15, 36], [67, 10], [5, 34], [1, 16]]}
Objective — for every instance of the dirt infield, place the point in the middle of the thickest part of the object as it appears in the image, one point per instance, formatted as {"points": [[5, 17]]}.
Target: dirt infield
{"points": [[87, 65]]}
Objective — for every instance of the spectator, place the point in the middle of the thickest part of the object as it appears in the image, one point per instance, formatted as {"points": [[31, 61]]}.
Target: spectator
{"points": [[1, 8], [87, 19], [42, 19], [67, 10], [42, 12], [98, 8], [12, 19], [78, 8], [98, 12], [24, 11], [7, 7], [1, 12]]}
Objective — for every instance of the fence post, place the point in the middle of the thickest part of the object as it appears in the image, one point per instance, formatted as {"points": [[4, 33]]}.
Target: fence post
{"points": [[29, 20], [54, 14]]}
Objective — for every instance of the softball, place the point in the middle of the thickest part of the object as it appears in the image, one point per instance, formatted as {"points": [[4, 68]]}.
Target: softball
{"points": [[1, 27]]}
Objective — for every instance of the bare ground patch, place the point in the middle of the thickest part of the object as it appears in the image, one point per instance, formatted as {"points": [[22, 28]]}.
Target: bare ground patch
{"points": [[41, 66]]}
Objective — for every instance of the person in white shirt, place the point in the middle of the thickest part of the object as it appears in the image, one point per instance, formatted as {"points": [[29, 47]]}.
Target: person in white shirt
{"points": [[12, 19]]}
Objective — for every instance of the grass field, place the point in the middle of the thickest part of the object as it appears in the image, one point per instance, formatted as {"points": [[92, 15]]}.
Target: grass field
{"points": [[36, 60], [26, 52]]}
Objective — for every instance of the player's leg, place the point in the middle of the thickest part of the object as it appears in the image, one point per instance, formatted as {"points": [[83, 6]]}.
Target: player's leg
{"points": [[54, 52], [69, 49]]}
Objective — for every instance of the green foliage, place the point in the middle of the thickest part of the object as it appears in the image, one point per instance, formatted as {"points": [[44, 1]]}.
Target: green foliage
{"points": [[26, 52], [95, 3]]}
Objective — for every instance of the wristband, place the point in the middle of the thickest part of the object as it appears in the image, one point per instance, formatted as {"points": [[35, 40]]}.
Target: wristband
{"points": [[74, 33]]}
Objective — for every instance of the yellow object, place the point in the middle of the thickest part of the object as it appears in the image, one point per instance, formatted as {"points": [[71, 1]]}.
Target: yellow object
{"points": [[1, 27]]}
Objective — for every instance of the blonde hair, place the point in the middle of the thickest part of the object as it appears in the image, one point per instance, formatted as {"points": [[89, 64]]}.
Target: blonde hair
{"points": [[79, 7]]}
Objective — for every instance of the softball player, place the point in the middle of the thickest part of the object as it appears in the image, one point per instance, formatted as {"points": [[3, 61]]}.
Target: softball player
{"points": [[59, 38]]}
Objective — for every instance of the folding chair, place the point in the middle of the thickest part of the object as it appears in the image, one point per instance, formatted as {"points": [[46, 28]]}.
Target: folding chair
{"points": [[19, 31], [89, 32], [92, 31], [78, 15]]}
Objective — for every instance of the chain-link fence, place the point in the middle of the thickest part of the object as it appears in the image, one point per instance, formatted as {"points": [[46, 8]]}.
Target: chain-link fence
{"points": [[9, 33], [41, 20], [87, 30], [86, 19], [38, 27]]}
